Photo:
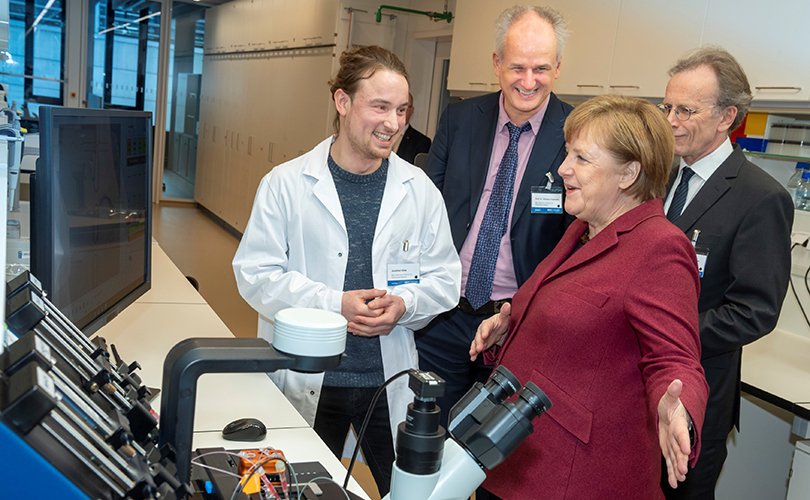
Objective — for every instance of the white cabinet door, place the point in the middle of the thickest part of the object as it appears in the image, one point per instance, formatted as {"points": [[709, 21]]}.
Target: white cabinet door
{"points": [[651, 36], [770, 40], [799, 486], [586, 60], [472, 46]]}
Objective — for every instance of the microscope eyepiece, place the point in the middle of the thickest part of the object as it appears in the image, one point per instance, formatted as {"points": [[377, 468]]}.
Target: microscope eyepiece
{"points": [[532, 401], [501, 384]]}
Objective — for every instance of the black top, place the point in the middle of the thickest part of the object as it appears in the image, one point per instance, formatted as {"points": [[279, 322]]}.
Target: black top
{"points": [[360, 198]]}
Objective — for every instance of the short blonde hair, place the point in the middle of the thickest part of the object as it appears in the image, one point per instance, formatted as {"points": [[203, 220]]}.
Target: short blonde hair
{"points": [[631, 129]]}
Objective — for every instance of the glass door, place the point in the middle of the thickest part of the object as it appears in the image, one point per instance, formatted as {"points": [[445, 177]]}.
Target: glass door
{"points": [[124, 47]]}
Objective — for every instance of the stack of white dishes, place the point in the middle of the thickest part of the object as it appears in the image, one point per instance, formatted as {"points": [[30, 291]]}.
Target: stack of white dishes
{"points": [[310, 332]]}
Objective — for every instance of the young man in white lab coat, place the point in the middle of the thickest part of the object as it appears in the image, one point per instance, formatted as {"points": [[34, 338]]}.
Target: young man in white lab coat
{"points": [[327, 230]]}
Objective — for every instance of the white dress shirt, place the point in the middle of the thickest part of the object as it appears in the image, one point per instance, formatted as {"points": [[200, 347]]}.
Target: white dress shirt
{"points": [[703, 168]]}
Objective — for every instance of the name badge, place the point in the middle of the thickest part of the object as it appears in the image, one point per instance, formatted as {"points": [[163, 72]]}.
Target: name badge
{"points": [[547, 200], [401, 274], [702, 257]]}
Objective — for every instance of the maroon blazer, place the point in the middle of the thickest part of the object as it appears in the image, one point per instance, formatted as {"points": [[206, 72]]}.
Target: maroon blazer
{"points": [[603, 330]]}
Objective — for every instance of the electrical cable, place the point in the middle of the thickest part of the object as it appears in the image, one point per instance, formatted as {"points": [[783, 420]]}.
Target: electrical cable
{"points": [[806, 285], [218, 452], [195, 461], [291, 476], [366, 421], [301, 489], [253, 468], [223, 471], [793, 288]]}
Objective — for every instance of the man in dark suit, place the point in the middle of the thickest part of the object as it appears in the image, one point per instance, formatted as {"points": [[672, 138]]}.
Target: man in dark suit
{"points": [[412, 141], [470, 160], [739, 219]]}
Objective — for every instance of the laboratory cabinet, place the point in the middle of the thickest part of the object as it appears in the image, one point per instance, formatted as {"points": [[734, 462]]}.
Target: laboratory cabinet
{"points": [[650, 37], [799, 488], [586, 60], [471, 60], [627, 46], [769, 39], [305, 23]]}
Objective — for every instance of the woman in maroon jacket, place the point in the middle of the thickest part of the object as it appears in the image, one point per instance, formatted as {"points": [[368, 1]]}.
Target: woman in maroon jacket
{"points": [[607, 324]]}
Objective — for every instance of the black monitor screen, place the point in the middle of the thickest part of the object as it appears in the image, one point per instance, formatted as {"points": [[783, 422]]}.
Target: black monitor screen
{"points": [[90, 210]]}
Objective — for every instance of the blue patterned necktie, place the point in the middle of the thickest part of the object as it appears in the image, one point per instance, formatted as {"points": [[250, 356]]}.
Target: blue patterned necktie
{"points": [[494, 224], [679, 198]]}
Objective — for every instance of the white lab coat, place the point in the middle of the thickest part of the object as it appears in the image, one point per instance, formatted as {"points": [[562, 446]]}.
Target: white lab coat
{"points": [[294, 254]]}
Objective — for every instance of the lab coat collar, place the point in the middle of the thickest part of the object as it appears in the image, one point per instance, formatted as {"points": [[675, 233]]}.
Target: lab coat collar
{"points": [[316, 168]]}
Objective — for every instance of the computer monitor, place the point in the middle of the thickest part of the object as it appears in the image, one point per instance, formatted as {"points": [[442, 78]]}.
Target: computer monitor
{"points": [[91, 234]]}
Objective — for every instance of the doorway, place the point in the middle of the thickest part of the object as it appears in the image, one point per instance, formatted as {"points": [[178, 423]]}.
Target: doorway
{"points": [[439, 95]]}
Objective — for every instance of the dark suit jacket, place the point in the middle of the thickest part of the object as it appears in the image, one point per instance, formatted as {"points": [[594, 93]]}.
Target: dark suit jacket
{"points": [[745, 219], [458, 163], [413, 142], [603, 330]]}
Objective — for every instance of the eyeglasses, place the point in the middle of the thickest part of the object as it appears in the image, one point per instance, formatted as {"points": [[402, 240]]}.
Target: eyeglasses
{"points": [[682, 113]]}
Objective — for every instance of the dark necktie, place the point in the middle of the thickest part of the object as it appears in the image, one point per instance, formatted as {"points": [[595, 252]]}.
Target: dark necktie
{"points": [[494, 224], [679, 198]]}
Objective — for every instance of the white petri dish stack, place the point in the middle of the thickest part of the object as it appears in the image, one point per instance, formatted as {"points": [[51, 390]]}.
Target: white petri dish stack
{"points": [[304, 331]]}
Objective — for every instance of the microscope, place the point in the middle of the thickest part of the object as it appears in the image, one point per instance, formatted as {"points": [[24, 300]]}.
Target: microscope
{"points": [[485, 426]]}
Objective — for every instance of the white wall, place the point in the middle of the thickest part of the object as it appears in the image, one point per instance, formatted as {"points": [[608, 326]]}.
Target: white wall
{"points": [[259, 109]]}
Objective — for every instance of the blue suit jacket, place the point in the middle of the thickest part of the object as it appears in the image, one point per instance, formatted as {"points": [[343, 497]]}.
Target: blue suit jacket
{"points": [[458, 164]]}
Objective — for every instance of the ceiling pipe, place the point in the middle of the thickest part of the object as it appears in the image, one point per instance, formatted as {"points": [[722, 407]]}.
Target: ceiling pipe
{"points": [[436, 16]]}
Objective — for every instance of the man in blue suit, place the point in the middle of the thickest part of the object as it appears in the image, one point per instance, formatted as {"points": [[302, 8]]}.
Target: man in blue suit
{"points": [[519, 128]]}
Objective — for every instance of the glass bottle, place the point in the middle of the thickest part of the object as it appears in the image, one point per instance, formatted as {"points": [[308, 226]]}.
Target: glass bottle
{"points": [[803, 192], [794, 182]]}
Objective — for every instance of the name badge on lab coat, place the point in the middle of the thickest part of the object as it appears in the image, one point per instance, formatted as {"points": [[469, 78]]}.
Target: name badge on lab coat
{"points": [[547, 200], [401, 274]]}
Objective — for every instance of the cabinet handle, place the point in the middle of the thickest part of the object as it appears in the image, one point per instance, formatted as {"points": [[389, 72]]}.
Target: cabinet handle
{"points": [[771, 87], [625, 87], [589, 86], [477, 83]]}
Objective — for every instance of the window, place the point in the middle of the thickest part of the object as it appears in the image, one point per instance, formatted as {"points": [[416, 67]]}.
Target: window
{"points": [[33, 72]]}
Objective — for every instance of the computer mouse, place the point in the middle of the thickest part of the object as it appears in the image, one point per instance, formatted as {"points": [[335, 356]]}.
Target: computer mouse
{"points": [[245, 429]]}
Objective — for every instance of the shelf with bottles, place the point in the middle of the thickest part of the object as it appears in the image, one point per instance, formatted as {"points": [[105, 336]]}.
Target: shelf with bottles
{"points": [[781, 137], [774, 156]]}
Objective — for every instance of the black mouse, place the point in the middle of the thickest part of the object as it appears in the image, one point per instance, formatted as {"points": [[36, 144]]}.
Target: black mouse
{"points": [[245, 429]]}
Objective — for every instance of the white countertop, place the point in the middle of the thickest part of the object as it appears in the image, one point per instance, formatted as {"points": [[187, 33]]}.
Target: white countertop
{"points": [[146, 332], [777, 367], [779, 363], [169, 285], [224, 397], [298, 445]]}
